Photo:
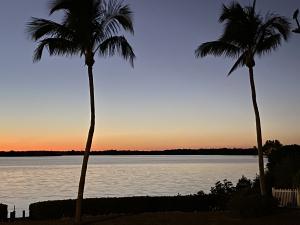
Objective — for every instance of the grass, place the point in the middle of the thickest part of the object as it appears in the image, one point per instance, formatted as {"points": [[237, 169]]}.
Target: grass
{"points": [[283, 217]]}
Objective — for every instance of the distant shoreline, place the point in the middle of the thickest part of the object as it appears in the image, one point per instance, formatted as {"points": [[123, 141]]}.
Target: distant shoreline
{"points": [[219, 151]]}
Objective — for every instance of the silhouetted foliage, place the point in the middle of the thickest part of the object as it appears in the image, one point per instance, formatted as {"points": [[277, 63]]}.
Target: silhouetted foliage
{"points": [[243, 199], [221, 193], [243, 183], [271, 145], [223, 196], [101, 206], [3, 212], [248, 204], [246, 34], [284, 167], [88, 27]]}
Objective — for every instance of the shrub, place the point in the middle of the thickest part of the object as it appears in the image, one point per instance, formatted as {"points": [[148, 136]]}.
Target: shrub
{"points": [[296, 179], [244, 198], [248, 204], [100, 206], [284, 167], [221, 194], [243, 183], [3, 213]]}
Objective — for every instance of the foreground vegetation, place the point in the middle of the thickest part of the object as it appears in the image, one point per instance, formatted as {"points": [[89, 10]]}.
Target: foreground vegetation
{"points": [[283, 217], [244, 200]]}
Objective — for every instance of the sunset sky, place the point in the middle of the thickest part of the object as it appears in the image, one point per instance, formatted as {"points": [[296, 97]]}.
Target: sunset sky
{"points": [[168, 100]]}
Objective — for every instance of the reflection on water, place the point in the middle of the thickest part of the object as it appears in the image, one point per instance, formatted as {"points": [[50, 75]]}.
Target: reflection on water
{"points": [[27, 180]]}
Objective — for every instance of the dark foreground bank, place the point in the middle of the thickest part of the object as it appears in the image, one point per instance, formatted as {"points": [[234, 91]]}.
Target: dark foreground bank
{"points": [[282, 217]]}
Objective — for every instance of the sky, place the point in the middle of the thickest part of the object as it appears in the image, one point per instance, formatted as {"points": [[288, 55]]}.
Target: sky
{"points": [[168, 100]]}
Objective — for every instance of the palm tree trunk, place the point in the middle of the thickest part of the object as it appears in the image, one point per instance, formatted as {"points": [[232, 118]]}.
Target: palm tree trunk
{"points": [[87, 148], [259, 136]]}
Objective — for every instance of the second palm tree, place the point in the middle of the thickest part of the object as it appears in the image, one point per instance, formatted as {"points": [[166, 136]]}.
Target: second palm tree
{"points": [[246, 35]]}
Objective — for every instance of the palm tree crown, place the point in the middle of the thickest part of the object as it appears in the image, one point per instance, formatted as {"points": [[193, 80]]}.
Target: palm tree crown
{"points": [[88, 27], [246, 34]]}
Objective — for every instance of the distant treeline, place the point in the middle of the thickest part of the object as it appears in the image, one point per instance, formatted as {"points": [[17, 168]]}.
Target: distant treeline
{"points": [[220, 151]]}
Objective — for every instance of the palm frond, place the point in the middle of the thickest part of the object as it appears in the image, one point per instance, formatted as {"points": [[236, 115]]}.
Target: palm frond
{"points": [[116, 16], [117, 44], [295, 15], [277, 23], [268, 44], [57, 5], [241, 24], [38, 28], [239, 63], [55, 46], [233, 12], [217, 48]]}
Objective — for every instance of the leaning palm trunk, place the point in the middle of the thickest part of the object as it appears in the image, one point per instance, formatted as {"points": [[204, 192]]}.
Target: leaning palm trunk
{"points": [[87, 148], [259, 135]]}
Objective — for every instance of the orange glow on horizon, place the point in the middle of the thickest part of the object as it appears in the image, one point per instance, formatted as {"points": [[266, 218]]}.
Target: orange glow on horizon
{"points": [[123, 143], [120, 140]]}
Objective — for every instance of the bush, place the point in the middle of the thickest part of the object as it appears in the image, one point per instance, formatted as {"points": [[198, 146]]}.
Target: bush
{"points": [[284, 167], [296, 179], [244, 198], [248, 204], [243, 183], [3, 213], [221, 194], [100, 206]]}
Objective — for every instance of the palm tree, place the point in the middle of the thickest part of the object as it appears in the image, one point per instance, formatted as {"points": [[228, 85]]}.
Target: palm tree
{"points": [[245, 36], [88, 27], [295, 17]]}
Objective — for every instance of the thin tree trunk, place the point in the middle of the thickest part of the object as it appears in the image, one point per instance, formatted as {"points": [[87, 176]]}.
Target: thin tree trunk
{"points": [[259, 136], [87, 148]]}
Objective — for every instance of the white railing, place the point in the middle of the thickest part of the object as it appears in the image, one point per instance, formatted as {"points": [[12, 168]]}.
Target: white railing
{"points": [[287, 197]]}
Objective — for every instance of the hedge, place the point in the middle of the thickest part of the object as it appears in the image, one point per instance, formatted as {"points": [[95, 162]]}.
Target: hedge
{"points": [[3, 213], [101, 206]]}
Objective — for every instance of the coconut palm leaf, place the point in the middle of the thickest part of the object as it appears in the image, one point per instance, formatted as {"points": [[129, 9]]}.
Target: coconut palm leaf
{"points": [[217, 48], [117, 45], [296, 13], [239, 63], [38, 28], [55, 46]]}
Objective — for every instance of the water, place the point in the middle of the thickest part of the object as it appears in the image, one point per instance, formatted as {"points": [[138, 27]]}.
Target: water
{"points": [[31, 179]]}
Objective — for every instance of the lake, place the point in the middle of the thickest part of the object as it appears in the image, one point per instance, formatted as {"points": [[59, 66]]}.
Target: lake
{"points": [[24, 180]]}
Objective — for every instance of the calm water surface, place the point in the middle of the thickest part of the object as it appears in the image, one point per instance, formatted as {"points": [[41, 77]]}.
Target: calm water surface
{"points": [[31, 179]]}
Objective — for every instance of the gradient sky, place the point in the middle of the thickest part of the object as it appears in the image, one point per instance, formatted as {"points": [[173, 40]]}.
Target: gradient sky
{"points": [[169, 100]]}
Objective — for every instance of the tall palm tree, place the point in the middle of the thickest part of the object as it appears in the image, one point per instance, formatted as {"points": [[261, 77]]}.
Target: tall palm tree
{"points": [[245, 36], [88, 27]]}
